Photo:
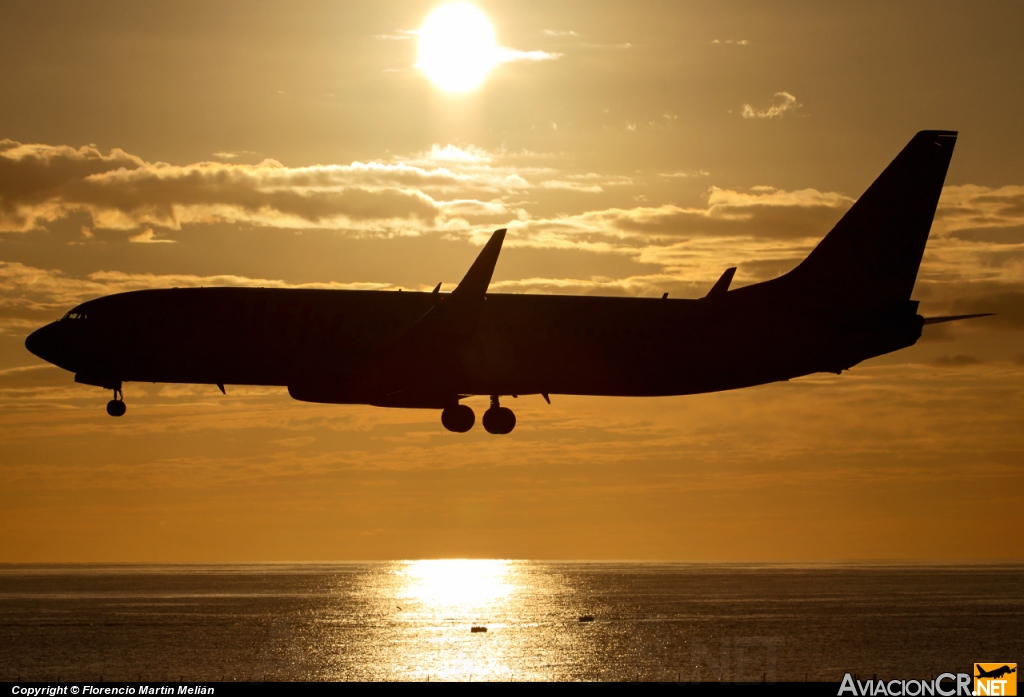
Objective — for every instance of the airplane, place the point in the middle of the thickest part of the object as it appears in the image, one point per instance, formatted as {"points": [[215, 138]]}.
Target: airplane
{"points": [[847, 301], [997, 673]]}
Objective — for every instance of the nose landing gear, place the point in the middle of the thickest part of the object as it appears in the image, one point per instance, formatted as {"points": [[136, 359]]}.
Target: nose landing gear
{"points": [[116, 407], [498, 420]]}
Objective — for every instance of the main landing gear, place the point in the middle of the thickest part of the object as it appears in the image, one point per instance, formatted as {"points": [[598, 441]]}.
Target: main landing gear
{"points": [[458, 418], [498, 420], [116, 407]]}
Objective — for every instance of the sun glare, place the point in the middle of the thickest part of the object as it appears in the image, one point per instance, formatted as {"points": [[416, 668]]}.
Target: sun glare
{"points": [[457, 47], [445, 584]]}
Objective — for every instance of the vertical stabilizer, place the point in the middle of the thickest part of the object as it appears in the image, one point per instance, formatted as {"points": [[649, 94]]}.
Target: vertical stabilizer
{"points": [[871, 257]]}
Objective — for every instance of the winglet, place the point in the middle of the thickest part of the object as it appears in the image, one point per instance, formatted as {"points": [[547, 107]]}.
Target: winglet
{"points": [[474, 283], [722, 286]]}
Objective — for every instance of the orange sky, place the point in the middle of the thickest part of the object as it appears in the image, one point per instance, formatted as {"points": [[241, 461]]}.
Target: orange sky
{"points": [[630, 150]]}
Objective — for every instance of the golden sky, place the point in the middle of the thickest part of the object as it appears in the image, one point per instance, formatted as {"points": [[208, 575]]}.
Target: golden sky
{"points": [[629, 150]]}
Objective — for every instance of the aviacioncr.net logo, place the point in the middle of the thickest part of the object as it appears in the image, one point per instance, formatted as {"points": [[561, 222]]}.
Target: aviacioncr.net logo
{"points": [[946, 685], [995, 679]]}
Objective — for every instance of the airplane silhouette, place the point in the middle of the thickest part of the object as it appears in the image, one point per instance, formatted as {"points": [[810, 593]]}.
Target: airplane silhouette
{"points": [[996, 673], [849, 300]]}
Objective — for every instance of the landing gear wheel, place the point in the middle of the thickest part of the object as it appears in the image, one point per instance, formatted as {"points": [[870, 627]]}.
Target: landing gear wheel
{"points": [[499, 420], [458, 419], [116, 407]]}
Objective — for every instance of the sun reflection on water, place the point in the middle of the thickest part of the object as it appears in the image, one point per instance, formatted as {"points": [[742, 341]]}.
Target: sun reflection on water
{"points": [[437, 602], [414, 620], [458, 585]]}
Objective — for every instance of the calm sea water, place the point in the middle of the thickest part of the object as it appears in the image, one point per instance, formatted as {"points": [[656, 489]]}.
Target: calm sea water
{"points": [[413, 620]]}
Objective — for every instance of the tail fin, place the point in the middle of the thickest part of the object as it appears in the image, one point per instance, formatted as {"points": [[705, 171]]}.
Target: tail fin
{"points": [[871, 257]]}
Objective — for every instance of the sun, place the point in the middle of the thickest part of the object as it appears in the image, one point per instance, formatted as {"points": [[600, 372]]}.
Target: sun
{"points": [[457, 47]]}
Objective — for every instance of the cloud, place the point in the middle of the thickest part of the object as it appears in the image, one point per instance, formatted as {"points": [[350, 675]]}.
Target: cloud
{"points": [[974, 261], [781, 104], [475, 208], [453, 154], [972, 208], [445, 188], [41, 183], [958, 361], [763, 213], [53, 285], [767, 231], [736, 42], [400, 35], [571, 186], [147, 236], [511, 55], [559, 32], [224, 155], [589, 182], [687, 174], [652, 285]]}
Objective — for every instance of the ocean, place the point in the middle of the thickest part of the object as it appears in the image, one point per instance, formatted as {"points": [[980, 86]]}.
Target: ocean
{"points": [[414, 620]]}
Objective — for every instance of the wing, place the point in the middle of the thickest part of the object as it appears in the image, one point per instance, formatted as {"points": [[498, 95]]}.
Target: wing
{"points": [[421, 359], [721, 287]]}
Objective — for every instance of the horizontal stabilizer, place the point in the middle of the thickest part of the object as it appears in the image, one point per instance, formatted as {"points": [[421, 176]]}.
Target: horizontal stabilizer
{"points": [[954, 318], [722, 286]]}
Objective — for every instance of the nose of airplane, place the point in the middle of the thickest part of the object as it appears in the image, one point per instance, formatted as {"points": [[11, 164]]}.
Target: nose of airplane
{"points": [[43, 342]]}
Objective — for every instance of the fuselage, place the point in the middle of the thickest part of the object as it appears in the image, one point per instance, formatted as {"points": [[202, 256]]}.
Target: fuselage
{"points": [[347, 346]]}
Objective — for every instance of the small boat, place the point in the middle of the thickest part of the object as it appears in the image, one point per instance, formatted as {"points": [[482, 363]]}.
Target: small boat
{"points": [[476, 628], [586, 618]]}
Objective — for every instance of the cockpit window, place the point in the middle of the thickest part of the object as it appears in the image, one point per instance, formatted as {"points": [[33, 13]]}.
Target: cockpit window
{"points": [[74, 314]]}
